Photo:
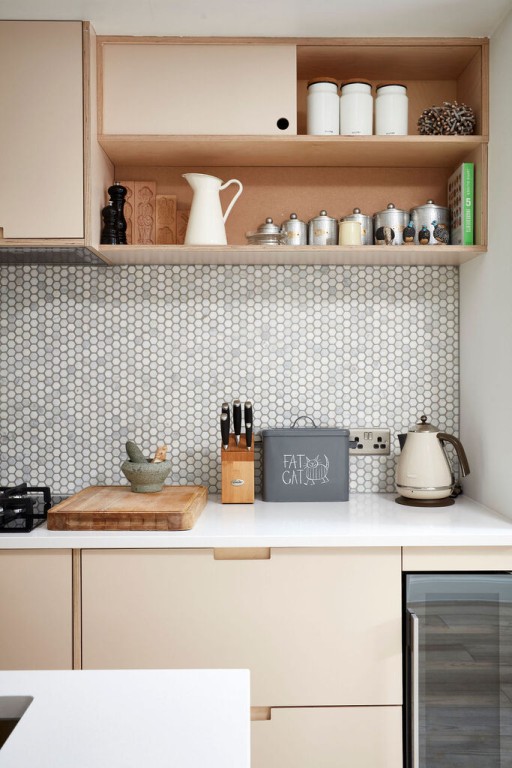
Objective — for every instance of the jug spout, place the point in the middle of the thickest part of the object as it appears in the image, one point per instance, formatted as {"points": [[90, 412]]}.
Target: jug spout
{"points": [[401, 440], [206, 220]]}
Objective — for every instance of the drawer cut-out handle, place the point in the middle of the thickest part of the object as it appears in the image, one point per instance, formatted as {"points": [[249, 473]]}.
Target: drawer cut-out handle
{"points": [[261, 713], [241, 553]]}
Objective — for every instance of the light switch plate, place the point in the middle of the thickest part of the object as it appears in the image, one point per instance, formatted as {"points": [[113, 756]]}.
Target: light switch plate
{"points": [[370, 441]]}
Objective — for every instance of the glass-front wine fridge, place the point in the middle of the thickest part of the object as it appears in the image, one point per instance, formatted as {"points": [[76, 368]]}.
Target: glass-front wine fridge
{"points": [[458, 670]]}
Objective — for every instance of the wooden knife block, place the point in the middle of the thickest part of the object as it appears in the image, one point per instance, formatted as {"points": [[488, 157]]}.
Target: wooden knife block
{"points": [[237, 473]]}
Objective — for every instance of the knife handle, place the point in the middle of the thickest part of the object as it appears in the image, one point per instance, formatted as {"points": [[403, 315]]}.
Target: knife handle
{"points": [[225, 409], [237, 420], [248, 423], [224, 430]]}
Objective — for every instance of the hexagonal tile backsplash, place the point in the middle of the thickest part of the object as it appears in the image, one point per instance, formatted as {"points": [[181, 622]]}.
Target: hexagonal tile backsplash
{"points": [[90, 357]]}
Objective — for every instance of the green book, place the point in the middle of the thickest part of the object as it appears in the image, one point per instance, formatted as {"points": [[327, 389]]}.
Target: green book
{"points": [[461, 204]]}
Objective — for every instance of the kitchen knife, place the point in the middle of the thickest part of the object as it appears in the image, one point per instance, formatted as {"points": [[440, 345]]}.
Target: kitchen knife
{"points": [[248, 424], [224, 430], [237, 420]]}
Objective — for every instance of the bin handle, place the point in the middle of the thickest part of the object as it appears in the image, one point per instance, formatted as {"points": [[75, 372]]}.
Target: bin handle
{"points": [[303, 417]]}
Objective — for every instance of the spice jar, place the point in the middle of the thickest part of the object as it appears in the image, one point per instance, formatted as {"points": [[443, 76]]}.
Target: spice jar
{"points": [[391, 110], [323, 107], [323, 230], [295, 230], [267, 233], [356, 109], [389, 224], [366, 225]]}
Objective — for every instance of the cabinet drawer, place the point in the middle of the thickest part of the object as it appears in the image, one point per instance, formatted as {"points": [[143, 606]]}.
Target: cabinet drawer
{"points": [[330, 737], [35, 609], [151, 88], [314, 627]]}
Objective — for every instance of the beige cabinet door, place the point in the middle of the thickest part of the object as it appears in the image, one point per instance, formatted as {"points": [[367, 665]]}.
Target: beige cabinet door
{"points": [[35, 609], [158, 89], [314, 626], [328, 737], [41, 129]]}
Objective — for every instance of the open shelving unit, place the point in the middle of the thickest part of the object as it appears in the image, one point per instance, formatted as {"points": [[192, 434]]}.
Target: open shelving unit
{"points": [[283, 173]]}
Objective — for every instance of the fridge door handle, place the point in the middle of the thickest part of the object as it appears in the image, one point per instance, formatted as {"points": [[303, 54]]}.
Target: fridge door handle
{"points": [[414, 646]]}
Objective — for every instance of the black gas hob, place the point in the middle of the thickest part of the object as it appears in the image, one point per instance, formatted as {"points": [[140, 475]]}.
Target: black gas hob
{"points": [[23, 507]]}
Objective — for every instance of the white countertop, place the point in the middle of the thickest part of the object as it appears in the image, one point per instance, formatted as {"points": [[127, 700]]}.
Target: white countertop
{"points": [[128, 719], [366, 520]]}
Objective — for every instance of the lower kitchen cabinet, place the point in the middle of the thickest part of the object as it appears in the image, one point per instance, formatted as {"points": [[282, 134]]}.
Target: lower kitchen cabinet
{"points": [[315, 627], [36, 609], [330, 737]]}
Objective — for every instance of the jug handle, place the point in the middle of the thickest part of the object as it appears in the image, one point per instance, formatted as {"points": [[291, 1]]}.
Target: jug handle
{"points": [[232, 181], [461, 453]]}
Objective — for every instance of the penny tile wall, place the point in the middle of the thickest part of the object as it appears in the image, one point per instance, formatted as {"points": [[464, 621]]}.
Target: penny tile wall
{"points": [[91, 357]]}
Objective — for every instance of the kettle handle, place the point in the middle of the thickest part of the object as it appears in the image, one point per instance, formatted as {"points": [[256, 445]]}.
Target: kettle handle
{"points": [[232, 181], [461, 453]]}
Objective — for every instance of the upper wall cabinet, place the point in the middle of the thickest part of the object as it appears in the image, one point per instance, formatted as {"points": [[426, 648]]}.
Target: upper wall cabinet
{"points": [[237, 108], [41, 130]]}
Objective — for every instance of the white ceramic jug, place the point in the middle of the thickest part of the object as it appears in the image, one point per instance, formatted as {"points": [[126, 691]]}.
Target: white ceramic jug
{"points": [[206, 221]]}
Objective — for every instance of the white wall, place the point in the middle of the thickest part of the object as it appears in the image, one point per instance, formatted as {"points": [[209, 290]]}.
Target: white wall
{"points": [[486, 308]]}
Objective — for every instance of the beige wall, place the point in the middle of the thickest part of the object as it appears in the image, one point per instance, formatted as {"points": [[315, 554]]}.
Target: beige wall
{"points": [[486, 308]]}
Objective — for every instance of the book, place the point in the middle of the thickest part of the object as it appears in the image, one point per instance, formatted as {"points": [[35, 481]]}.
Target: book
{"points": [[461, 204]]}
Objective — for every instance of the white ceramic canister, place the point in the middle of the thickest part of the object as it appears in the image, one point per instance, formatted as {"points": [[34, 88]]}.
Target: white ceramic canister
{"points": [[323, 107], [295, 230], [356, 109], [366, 225], [391, 110], [323, 230], [389, 224], [435, 218]]}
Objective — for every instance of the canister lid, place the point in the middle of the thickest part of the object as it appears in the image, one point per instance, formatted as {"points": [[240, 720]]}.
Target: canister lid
{"points": [[330, 80], [323, 215], [389, 208], [268, 226], [298, 432], [351, 85], [429, 204], [293, 218], [401, 86]]}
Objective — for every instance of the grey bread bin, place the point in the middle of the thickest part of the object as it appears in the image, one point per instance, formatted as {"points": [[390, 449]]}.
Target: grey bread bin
{"points": [[305, 463]]}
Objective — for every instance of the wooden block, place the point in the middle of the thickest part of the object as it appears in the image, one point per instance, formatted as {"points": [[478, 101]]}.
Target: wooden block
{"points": [[128, 209], [181, 226], [237, 473], [166, 219], [144, 213]]}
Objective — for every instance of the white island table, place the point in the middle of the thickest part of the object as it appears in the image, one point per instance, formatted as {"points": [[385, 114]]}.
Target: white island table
{"points": [[127, 719]]}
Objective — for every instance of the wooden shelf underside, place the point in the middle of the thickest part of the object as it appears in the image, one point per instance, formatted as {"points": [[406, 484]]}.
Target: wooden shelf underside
{"points": [[298, 151], [430, 255]]}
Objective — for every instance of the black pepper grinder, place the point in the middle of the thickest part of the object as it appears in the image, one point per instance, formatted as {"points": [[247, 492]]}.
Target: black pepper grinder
{"points": [[117, 195], [109, 231]]}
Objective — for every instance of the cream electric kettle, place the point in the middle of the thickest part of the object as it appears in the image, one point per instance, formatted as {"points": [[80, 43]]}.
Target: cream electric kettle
{"points": [[424, 474], [206, 220]]}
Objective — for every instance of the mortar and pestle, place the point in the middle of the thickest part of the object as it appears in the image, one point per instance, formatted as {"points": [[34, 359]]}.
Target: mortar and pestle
{"points": [[145, 475]]}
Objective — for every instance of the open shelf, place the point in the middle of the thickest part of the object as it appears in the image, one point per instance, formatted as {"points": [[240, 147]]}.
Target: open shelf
{"points": [[430, 255], [291, 151]]}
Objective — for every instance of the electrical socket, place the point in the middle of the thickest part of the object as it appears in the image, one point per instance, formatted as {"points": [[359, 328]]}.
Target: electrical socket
{"points": [[370, 442]]}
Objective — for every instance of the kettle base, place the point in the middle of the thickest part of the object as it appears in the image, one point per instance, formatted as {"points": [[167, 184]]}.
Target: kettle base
{"points": [[446, 502]]}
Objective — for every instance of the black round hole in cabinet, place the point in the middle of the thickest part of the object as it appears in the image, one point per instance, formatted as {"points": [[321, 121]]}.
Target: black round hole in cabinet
{"points": [[283, 123]]}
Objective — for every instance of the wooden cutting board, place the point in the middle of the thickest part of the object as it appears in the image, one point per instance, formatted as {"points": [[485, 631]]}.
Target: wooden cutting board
{"points": [[117, 508]]}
